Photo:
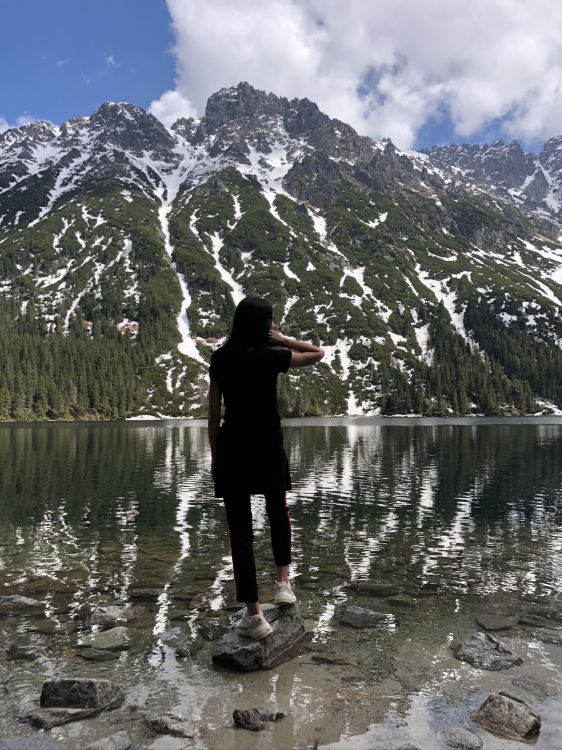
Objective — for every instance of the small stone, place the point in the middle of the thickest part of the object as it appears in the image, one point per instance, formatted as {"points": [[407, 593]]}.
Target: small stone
{"points": [[495, 622], [97, 654], [486, 652], [361, 617], [115, 639], [22, 652], [343, 661], [549, 635], [253, 719], [19, 605], [80, 693], [34, 742], [119, 741], [459, 738], [170, 723], [507, 716], [106, 616], [367, 588], [144, 594]]}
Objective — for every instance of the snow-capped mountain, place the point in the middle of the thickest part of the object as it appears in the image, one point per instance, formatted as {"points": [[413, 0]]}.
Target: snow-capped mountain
{"points": [[432, 280]]}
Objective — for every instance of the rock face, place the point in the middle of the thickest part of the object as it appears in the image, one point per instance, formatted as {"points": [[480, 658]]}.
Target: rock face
{"points": [[241, 652], [459, 738], [80, 693], [507, 716], [486, 652], [361, 617], [253, 719]]}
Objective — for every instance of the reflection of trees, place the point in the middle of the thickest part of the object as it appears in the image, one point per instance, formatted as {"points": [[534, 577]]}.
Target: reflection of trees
{"points": [[411, 495]]}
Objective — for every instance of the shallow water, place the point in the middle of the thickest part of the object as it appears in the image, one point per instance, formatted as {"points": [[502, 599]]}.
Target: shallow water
{"points": [[465, 516]]}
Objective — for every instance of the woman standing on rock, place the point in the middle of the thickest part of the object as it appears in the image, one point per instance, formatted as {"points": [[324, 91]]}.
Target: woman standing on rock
{"points": [[247, 449]]}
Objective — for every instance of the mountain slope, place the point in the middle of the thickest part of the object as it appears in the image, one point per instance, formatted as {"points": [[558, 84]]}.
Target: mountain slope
{"points": [[124, 247]]}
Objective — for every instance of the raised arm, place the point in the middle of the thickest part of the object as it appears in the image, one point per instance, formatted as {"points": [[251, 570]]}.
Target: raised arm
{"points": [[304, 354]]}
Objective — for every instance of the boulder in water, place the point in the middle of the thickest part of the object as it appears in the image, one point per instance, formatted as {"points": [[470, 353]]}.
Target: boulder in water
{"points": [[459, 738], [486, 652], [19, 605], [495, 622], [361, 617], [505, 715], [119, 741], [243, 653], [253, 719], [76, 692]]}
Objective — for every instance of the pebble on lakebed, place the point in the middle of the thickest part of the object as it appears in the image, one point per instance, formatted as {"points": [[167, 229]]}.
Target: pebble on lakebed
{"points": [[253, 719]]}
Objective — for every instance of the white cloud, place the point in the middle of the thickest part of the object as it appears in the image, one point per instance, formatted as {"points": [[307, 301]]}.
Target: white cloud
{"points": [[20, 121], [4, 125], [110, 60], [170, 106], [479, 61]]}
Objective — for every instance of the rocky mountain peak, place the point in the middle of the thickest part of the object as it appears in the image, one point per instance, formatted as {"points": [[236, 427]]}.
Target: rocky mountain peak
{"points": [[239, 101]]}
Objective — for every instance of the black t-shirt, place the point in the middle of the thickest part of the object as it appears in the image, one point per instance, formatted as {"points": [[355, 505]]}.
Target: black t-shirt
{"points": [[248, 381]]}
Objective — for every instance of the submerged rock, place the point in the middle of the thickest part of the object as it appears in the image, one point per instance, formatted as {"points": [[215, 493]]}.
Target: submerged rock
{"points": [[97, 654], [35, 742], [241, 652], [19, 605], [119, 741], [459, 738], [549, 635], [495, 622], [368, 588], [115, 639], [507, 716], [170, 723], [532, 620], [106, 616], [486, 652], [361, 617], [531, 686], [80, 693], [22, 651], [253, 719], [344, 661]]}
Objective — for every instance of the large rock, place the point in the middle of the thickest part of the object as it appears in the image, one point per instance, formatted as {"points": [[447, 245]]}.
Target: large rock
{"points": [[507, 716], [361, 617], [241, 652], [35, 742], [459, 738], [119, 741], [115, 639], [486, 652], [80, 693], [19, 605]]}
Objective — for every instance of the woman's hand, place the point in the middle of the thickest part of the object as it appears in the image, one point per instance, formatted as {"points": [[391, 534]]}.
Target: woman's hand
{"points": [[274, 338]]}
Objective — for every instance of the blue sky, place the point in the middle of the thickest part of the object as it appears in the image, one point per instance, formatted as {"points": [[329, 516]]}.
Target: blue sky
{"points": [[65, 57], [449, 73]]}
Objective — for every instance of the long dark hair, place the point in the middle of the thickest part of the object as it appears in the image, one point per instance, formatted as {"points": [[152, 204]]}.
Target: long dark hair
{"points": [[251, 323]]}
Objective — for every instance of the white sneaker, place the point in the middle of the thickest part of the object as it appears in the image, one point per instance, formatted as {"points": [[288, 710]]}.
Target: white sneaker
{"points": [[254, 626], [284, 593]]}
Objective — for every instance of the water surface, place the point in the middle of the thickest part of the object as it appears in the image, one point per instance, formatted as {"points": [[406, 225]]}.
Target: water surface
{"points": [[463, 515]]}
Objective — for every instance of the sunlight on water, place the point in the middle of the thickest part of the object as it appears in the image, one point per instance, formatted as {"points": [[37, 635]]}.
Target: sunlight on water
{"points": [[457, 518]]}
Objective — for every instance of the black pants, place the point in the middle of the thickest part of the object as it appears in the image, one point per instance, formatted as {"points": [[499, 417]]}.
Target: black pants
{"points": [[241, 536]]}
